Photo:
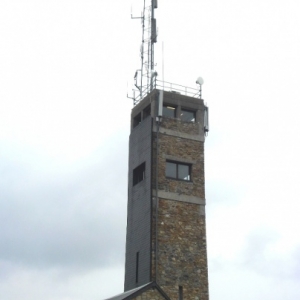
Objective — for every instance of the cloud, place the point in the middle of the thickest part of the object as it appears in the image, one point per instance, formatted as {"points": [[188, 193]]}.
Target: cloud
{"points": [[57, 284], [58, 216], [263, 253]]}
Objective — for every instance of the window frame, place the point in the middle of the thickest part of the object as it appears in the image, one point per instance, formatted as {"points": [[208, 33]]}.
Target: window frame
{"points": [[139, 174], [141, 116], [178, 163], [189, 111], [170, 108], [137, 119], [146, 112]]}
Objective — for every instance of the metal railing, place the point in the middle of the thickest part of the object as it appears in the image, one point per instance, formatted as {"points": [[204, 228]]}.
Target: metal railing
{"points": [[168, 87], [177, 88]]}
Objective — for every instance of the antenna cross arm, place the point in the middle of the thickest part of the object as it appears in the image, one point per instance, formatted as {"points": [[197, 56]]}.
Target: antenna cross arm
{"points": [[136, 17]]}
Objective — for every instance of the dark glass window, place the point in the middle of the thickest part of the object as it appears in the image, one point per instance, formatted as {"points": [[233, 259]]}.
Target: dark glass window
{"points": [[139, 174], [178, 170], [169, 111], [180, 293], [171, 169], [183, 172], [137, 120], [146, 112], [188, 115]]}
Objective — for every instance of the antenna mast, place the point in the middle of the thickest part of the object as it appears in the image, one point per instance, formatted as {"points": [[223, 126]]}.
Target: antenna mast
{"points": [[144, 76]]}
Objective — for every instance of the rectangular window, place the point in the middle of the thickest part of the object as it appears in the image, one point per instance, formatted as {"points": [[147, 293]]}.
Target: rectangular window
{"points": [[188, 115], [139, 174], [137, 267], [137, 120], [169, 111], [178, 170], [146, 112], [141, 116]]}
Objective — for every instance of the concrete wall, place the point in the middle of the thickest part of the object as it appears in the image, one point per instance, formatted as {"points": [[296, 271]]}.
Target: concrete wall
{"points": [[152, 294], [139, 207]]}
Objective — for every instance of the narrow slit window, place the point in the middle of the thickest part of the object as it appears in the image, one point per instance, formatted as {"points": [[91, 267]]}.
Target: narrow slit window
{"points": [[180, 296], [137, 267], [139, 173]]}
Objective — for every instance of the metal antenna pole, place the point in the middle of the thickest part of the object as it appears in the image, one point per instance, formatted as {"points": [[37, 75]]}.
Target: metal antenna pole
{"points": [[149, 35], [152, 38], [142, 50], [200, 91], [152, 29]]}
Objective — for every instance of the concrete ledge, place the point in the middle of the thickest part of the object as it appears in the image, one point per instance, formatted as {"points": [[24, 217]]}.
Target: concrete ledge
{"points": [[179, 159], [178, 197], [195, 137], [202, 210], [182, 134]]}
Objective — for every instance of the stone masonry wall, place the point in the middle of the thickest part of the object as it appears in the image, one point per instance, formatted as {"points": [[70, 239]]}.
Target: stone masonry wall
{"points": [[182, 250], [176, 124], [152, 294], [182, 258], [186, 151]]}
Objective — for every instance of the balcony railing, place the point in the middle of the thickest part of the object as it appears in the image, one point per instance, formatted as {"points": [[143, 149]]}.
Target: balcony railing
{"points": [[168, 87]]}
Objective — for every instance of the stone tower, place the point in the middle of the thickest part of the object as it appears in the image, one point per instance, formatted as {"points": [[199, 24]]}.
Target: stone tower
{"points": [[166, 235]]}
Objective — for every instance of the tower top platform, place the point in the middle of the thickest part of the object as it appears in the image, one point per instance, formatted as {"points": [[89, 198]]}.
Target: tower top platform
{"points": [[169, 87]]}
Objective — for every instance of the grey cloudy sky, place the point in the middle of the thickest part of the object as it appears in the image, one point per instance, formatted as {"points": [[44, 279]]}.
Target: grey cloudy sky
{"points": [[64, 126]]}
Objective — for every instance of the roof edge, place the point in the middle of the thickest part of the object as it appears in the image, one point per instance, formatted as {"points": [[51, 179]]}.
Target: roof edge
{"points": [[137, 291]]}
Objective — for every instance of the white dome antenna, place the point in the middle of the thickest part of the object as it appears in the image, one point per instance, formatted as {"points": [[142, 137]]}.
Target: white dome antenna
{"points": [[200, 81]]}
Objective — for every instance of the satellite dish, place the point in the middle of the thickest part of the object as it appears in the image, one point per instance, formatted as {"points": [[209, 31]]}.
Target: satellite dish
{"points": [[154, 74], [200, 80]]}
